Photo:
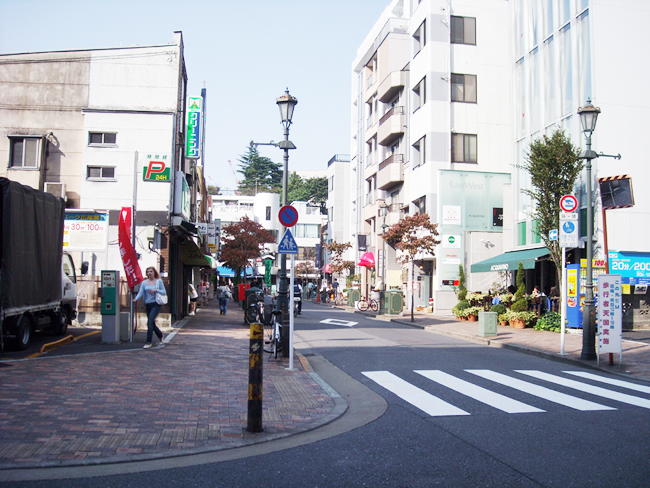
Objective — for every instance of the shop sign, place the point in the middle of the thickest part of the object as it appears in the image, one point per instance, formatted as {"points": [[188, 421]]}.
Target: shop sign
{"points": [[610, 316]]}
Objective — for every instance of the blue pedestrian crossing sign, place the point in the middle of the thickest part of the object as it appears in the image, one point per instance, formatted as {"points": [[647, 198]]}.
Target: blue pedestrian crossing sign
{"points": [[288, 244]]}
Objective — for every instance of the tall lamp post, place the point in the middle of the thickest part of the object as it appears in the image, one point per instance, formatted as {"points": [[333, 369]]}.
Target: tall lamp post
{"points": [[286, 103], [588, 117], [384, 211]]}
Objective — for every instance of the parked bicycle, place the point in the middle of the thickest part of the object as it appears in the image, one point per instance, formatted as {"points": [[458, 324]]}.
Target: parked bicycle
{"points": [[365, 304], [255, 311], [273, 335]]}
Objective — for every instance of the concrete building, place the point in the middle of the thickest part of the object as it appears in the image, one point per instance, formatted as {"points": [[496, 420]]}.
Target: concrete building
{"points": [[105, 129], [430, 81]]}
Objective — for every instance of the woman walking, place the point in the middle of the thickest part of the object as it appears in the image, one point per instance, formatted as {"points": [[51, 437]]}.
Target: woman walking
{"points": [[224, 294], [149, 289]]}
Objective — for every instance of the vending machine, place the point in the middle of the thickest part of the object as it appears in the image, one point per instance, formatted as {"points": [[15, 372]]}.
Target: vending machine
{"points": [[576, 279]]}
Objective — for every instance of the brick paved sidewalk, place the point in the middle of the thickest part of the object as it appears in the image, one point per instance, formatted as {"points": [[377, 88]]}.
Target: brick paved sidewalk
{"points": [[190, 396]]}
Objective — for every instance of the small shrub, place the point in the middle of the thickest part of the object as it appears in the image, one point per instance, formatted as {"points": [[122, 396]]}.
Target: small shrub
{"points": [[473, 311], [460, 307], [549, 321], [520, 305], [499, 309]]}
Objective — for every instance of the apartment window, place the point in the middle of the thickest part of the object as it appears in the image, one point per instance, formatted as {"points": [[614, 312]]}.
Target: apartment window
{"points": [[536, 237], [307, 230], [463, 30], [24, 152], [330, 184], [100, 172], [420, 38], [268, 213], [419, 94], [463, 148], [463, 88], [102, 138], [420, 205], [419, 152], [521, 234]]}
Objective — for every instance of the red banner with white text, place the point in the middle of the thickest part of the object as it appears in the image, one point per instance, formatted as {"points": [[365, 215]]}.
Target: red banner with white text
{"points": [[129, 257]]}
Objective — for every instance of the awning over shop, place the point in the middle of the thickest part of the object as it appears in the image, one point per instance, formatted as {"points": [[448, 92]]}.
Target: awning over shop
{"points": [[327, 268], [367, 260], [191, 255], [509, 261], [225, 272]]}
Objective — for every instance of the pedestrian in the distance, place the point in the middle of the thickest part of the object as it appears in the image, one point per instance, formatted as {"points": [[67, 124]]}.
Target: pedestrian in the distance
{"points": [[224, 294], [148, 290], [194, 296]]}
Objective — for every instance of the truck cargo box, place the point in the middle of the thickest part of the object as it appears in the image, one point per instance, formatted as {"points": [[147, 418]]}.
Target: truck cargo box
{"points": [[32, 224]]}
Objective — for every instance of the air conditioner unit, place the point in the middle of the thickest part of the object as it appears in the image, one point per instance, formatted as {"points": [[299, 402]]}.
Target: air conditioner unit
{"points": [[57, 189]]}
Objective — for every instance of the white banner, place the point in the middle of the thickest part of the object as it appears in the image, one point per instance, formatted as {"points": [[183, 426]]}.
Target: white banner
{"points": [[610, 314]]}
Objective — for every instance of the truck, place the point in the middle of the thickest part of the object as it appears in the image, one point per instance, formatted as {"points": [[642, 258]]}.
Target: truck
{"points": [[38, 288]]}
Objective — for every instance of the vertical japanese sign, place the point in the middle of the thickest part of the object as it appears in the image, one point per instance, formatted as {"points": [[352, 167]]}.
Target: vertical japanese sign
{"points": [[128, 254], [610, 316], [193, 128]]}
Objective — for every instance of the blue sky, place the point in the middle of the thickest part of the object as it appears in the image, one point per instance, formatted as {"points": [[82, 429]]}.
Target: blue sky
{"points": [[246, 52]]}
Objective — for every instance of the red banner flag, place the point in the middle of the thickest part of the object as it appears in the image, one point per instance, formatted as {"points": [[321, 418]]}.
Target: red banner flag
{"points": [[129, 257]]}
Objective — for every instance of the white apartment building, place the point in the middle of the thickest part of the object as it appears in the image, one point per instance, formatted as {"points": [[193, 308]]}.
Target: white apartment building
{"points": [[431, 134]]}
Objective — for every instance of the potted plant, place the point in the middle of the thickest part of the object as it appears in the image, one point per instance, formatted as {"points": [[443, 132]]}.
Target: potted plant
{"points": [[521, 320], [551, 321], [472, 313], [459, 309]]}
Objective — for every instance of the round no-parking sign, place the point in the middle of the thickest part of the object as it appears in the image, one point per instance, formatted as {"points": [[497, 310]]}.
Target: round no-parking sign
{"points": [[568, 203], [288, 216]]}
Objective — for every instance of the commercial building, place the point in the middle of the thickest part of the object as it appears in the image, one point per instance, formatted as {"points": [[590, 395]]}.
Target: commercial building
{"points": [[106, 129]]}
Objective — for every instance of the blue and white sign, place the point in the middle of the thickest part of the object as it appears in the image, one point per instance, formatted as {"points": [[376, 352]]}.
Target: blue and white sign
{"points": [[634, 267], [568, 233], [552, 235], [288, 244]]}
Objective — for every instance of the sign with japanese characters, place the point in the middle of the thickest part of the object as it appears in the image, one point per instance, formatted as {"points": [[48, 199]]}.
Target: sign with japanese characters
{"points": [[85, 230], [610, 316], [157, 167], [193, 128]]}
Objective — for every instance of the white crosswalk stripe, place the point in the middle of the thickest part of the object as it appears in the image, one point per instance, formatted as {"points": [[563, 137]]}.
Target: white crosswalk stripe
{"points": [[426, 402], [539, 391], [437, 407], [594, 390], [479, 393], [610, 381]]}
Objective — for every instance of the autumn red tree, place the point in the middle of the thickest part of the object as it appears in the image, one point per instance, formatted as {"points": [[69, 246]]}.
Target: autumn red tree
{"points": [[412, 235], [241, 242], [336, 250]]}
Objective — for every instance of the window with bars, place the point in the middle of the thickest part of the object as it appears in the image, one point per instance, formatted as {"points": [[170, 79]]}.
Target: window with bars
{"points": [[102, 138], [100, 172], [464, 148], [463, 88], [463, 30], [25, 152]]}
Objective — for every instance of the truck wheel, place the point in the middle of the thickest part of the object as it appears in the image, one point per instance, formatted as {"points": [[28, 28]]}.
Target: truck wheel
{"points": [[23, 334], [62, 326]]}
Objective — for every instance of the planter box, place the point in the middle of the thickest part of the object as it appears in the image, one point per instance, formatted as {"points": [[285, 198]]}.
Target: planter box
{"points": [[518, 324]]}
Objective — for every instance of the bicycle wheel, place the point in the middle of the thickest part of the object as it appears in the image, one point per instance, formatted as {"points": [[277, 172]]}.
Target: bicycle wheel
{"points": [[374, 305], [269, 331], [277, 341], [251, 314], [362, 305]]}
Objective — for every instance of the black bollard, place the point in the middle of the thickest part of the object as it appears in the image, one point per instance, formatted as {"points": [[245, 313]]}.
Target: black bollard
{"points": [[255, 362]]}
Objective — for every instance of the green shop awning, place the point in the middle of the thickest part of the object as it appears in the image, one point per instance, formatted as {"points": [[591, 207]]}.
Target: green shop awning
{"points": [[509, 261]]}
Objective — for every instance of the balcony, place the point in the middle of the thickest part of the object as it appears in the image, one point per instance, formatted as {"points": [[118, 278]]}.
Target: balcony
{"points": [[391, 126], [391, 86], [391, 172]]}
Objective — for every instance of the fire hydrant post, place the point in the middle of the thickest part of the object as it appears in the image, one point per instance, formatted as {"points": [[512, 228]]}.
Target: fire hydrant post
{"points": [[255, 362]]}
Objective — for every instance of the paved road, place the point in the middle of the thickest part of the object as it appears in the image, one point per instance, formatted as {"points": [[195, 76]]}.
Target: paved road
{"points": [[480, 431]]}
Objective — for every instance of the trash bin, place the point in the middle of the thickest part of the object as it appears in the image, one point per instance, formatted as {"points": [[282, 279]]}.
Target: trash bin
{"points": [[392, 302], [354, 295], [487, 324]]}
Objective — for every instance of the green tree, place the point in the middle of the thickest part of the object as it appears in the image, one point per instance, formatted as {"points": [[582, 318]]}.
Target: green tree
{"points": [[554, 165], [241, 242], [312, 190], [260, 173], [412, 235], [213, 190], [520, 303]]}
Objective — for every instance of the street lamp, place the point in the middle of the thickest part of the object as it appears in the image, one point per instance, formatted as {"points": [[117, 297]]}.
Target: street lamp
{"points": [[384, 211], [286, 103], [588, 117]]}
